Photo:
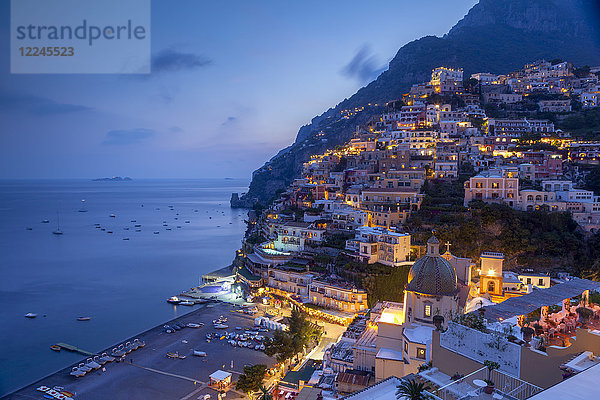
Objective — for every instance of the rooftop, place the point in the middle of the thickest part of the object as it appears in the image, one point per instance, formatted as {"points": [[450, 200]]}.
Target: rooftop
{"points": [[390, 190], [579, 387], [491, 254], [419, 334], [385, 389], [354, 378], [303, 374], [389, 354], [219, 375], [342, 351], [368, 339], [248, 275]]}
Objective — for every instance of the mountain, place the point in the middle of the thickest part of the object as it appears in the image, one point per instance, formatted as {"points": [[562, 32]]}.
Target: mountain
{"points": [[497, 36]]}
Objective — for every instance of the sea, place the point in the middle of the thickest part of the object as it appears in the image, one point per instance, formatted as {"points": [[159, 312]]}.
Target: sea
{"points": [[187, 229]]}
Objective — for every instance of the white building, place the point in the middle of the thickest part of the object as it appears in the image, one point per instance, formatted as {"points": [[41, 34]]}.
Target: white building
{"points": [[380, 245]]}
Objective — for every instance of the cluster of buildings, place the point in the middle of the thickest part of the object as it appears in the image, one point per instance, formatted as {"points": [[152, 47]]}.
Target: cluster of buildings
{"points": [[543, 77], [457, 315], [501, 185]]}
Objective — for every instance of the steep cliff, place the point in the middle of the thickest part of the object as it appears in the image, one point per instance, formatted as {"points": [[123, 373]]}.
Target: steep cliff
{"points": [[495, 36]]}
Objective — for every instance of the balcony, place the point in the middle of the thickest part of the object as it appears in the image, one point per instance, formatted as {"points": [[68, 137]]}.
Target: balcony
{"points": [[507, 387]]}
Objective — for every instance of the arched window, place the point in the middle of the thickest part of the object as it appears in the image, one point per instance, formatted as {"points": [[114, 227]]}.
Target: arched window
{"points": [[491, 286], [538, 198], [529, 198]]}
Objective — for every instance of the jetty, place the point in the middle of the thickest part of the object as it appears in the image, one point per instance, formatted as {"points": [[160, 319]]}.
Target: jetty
{"points": [[223, 274], [74, 349]]}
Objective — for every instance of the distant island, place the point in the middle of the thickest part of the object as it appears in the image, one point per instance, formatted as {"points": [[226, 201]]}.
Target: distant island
{"points": [[114, 179]]}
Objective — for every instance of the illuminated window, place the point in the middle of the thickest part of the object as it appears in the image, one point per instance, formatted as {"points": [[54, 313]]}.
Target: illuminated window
{"points": [[421, 353], [428, 310]]}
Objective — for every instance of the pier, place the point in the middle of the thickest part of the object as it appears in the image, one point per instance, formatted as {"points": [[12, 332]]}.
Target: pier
{"points": [[74, 349]]}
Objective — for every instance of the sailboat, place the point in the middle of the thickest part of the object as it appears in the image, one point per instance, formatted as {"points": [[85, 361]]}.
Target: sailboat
{"points": [[83, 208], [57, 231]]}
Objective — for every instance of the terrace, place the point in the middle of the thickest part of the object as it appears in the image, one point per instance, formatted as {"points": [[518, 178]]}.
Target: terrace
{"points": [[551, 317], [471, 386], [534, 340]]}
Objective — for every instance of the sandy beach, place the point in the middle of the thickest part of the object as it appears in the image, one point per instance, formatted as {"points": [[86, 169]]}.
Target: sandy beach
{"points": [[148, 374]]}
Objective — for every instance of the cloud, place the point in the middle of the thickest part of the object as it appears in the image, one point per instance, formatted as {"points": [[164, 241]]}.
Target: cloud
{"points": [[363, 66], [229, 121], [170, 60], [37, 105], [124, 137]]}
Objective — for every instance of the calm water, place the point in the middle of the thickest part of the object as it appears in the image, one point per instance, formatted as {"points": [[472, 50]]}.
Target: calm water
{"points": [[121, 284]]}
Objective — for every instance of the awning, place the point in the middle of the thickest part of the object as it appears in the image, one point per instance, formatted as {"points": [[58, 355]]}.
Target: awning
{"points": [[219, 375], [542, 297]]}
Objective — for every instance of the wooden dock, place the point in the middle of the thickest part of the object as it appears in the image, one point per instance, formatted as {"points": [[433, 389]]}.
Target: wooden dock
{"points": [[74, 349]]}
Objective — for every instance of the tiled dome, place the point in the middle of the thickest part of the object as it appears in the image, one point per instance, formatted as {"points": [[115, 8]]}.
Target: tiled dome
{"points": [[432, 274]]}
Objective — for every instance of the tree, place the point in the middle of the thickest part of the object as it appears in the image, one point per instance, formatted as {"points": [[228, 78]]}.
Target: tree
{"points": [[582, 72], [592, 180], [285, 345], [410, 389], [280, 346], [252, 378], [265, 393]]}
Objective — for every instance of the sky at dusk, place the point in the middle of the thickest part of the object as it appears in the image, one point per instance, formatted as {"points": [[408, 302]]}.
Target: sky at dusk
{"points": [[231, 83]]}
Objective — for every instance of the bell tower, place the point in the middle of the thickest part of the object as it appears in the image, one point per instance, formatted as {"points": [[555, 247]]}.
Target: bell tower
{"points": [[490, 277]]}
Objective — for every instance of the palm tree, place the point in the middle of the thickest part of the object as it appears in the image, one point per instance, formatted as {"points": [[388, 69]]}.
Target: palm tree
{"points": [[410, 389], [265, 393]]}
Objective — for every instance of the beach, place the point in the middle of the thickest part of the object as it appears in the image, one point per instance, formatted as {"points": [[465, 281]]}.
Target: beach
{"points": [[147, 373]]}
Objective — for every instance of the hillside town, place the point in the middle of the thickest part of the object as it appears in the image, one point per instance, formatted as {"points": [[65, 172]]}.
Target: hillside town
{"points": [[338, 244]]}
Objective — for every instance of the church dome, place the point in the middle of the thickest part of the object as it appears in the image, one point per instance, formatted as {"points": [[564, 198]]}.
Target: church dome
{"points": [[432, 274]]}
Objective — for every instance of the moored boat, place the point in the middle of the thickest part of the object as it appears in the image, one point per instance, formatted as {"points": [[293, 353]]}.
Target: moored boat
{"points": [[106, 358], [55, 347], [173, 300], [92, 364], [99, 360], [76, 372], [84, 318], [30, 315], [83, 367]]}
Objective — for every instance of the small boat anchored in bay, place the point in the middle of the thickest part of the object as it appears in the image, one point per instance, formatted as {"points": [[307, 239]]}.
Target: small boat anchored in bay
{"points": [[57, 231]]}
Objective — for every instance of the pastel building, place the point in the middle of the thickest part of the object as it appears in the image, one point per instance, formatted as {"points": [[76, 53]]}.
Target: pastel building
{"points": [[338, 295], [381, 245], [493, 186]]}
